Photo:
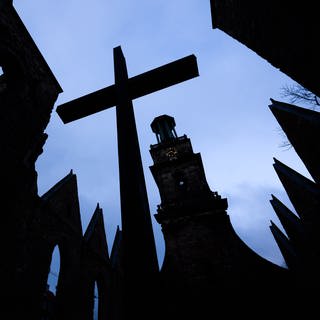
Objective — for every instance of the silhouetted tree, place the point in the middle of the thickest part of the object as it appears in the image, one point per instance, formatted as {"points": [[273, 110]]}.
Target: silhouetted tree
{"points": [[299, 94]]}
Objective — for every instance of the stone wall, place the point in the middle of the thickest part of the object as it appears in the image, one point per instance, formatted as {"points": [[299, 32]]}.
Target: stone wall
{"points": [[28, 91]]}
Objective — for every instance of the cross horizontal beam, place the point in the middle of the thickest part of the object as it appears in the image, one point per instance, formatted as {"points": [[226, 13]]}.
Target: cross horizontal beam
{"points": [[138, 86]]}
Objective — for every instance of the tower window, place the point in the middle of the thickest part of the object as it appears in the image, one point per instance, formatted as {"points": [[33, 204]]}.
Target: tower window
{"points": [[182, 185], [180, 181]]}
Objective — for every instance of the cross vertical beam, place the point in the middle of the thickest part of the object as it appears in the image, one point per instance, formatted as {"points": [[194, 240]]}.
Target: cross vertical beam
{"points": [[138, 241]]}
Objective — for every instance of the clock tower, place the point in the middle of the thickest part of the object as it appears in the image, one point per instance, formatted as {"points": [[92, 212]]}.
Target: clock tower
{"points": [[179, 175], [204, 256], [188, 207]]}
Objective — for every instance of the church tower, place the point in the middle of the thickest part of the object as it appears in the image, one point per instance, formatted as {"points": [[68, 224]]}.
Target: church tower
{"points": [[204, 257], [179, 174], [187, 212]]}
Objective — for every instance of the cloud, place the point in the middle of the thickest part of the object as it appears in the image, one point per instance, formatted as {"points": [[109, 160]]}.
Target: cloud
{"points": [[250, 212]]}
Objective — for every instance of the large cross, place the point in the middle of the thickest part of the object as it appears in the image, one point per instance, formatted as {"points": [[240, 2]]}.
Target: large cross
{"points": [[138, 240]]}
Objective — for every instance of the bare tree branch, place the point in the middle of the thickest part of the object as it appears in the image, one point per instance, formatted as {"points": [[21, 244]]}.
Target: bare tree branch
{"points": [[298, 94]]}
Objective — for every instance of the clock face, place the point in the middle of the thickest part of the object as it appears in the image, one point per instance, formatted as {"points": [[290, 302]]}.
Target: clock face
{"points": [[172, 153]]}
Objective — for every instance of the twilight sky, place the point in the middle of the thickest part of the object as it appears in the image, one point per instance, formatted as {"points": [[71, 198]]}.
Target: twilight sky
{"points": [[224, 111]]}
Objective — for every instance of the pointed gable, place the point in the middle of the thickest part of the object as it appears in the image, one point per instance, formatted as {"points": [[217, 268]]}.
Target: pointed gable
{"points": [[95, 236], [304, 194], [285, 246], [63, 202], [290, 222], [116, 249], [302, 128]]}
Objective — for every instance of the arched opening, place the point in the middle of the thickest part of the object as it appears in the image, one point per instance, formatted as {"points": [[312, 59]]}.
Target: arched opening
{"points": [[101, 304], [48, 306], [96, 302], [54, 270], [3, 84]]}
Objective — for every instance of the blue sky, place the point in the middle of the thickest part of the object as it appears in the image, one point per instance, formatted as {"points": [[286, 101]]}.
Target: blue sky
{"points": [[224, 111]]}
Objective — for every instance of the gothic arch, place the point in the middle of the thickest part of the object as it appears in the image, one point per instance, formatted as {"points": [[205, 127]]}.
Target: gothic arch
{"points": [[102, 309], [54, 269], [103, 293], [67, 291]]}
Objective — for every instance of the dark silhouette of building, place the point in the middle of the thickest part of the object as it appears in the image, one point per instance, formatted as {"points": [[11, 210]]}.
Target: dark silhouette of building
{"points": [[48, 305], [28, 90], [300, 244], [207, 268], [32, 225], [205, 260], [282, 32]]}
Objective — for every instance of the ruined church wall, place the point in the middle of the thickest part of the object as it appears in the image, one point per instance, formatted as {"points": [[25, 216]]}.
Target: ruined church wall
{"points": [[28, 91]]}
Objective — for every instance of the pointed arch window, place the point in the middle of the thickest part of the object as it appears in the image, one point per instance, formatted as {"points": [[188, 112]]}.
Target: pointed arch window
{"points": [[101, 302], [54, 270], [96, 302], [48, 304]]}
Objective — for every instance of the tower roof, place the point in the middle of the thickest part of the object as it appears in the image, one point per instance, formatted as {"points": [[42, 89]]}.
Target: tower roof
{"points": [[163, 118], [163, 126]]}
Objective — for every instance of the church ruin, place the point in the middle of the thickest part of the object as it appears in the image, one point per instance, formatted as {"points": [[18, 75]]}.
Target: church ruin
{"points": [[206, 263]]}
